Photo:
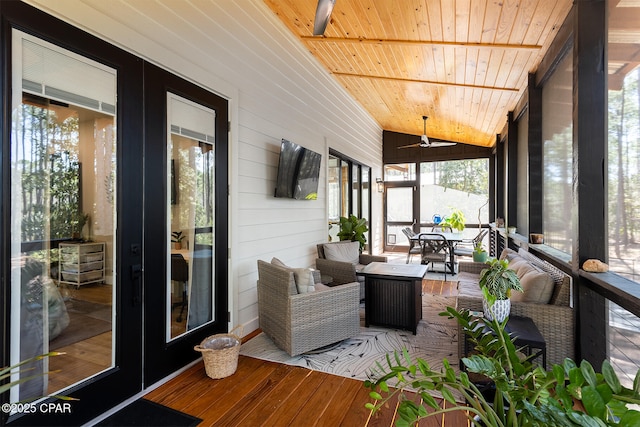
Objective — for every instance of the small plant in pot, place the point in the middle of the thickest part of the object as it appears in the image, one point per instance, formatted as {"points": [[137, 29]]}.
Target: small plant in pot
{"points": [[479, 252], [176, 239], [497, 281], [353, 229]]}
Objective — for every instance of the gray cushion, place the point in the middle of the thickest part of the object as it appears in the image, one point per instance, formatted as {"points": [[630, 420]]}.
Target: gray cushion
{"points": [[468, 286], [302, 276], [304, 280], [343, 251]]}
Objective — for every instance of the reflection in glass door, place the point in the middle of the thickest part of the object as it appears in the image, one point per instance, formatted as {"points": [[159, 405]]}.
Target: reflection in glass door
{"points": [[63, 216], [190, 214]]}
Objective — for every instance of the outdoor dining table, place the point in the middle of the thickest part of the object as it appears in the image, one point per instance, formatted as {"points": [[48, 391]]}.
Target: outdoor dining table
{"points": [[452, 240]]}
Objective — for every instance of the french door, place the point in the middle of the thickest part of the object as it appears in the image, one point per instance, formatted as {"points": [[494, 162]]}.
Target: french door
{"points": [[185, 293], [105, 161], [72, 222]]}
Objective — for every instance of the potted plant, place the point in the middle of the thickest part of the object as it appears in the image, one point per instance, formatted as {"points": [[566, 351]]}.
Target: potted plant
{"points": [[353, 229], [176, 239], [455, 220], [78, 222], [479, 252], [497, 281], [525, 394]]}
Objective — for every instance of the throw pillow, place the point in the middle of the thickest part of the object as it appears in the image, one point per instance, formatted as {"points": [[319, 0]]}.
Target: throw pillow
{"points": [[538, 287], [508, 254], [276, 261], [304, 280], [519, 265], [343, 251], [292, 290]]}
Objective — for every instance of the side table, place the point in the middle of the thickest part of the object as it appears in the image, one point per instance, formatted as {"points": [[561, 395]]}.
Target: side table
{"points": [[526, 336], [393, 296]]}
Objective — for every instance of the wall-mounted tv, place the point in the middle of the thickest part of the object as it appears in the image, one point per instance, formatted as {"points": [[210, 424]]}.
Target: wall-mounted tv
{"points": [[298, 172]]}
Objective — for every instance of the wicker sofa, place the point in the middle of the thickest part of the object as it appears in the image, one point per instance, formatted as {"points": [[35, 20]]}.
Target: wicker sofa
{"points": [[301, 322], [555, 320]]}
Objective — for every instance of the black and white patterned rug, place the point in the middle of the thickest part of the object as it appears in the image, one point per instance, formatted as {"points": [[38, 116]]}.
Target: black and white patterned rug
{"points": [[435, 340]]}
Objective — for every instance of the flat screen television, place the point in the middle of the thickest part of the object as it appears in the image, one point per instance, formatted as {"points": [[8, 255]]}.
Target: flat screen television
{"points": [[298, 172]]}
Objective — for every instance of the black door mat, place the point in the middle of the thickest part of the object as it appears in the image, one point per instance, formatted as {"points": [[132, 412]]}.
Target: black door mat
{"points": [[144, 412]]}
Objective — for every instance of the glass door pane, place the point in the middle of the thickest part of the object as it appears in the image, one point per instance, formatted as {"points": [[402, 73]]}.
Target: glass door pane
{"points": [[355, 187], [399, 214], [344, 188], [333, 196], [63, 216], [190, 213]]}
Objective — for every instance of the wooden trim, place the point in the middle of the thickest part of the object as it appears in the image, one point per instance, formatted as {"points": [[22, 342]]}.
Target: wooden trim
{"points": [[502, 46], [429, 82]]}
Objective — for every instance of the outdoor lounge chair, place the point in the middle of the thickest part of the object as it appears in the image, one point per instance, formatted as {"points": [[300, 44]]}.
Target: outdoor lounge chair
{"points": [[301, 322], [342, 260]]}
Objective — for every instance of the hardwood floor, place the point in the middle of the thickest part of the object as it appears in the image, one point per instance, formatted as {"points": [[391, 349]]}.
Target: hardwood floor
{"points": [[264, 393], [260, 393]]}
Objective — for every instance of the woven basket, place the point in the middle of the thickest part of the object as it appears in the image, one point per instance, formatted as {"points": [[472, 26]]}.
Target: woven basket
{"points": [[220, 354]]}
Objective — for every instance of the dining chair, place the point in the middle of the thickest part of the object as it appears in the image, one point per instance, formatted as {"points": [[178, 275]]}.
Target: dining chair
{"points": [[414, 246], [180, 273], [465, 247], [435, 248]]}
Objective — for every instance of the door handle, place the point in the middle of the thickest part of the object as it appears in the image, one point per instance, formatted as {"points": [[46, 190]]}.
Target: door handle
{"points": [[136, 278]]}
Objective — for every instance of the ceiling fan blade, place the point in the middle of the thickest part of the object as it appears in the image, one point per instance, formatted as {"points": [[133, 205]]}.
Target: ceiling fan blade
{"points": [[411, 145], [323, 13], [441, 144]]}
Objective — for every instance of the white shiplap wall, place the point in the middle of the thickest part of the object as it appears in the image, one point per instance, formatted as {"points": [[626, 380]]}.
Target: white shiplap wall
{"points": [[239, 50]]}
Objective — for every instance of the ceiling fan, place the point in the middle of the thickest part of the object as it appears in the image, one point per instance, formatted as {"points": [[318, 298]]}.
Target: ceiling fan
{"points": [[424, 140], [323, 13]]}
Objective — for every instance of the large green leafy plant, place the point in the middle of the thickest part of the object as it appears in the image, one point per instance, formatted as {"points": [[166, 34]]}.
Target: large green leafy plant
{"points": [[567, 395], [353, 229]]}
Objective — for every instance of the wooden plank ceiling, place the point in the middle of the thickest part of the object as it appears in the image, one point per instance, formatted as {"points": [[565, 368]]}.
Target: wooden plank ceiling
{"points": [[463, 63]]}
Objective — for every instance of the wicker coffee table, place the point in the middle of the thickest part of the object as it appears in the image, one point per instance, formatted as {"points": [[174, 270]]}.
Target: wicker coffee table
{"points": [[393, 294]]}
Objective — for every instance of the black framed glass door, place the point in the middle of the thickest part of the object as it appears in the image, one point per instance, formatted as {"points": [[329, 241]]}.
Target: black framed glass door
{"points": [[185, 295], [72, 219]]}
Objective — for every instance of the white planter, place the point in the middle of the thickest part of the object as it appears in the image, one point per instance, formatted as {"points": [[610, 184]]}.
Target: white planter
{"points": [[500, 310]]}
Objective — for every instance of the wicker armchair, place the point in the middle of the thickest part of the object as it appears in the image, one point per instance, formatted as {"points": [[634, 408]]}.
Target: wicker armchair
{"points": [[555, 320], [343, 271], [298, 323]]}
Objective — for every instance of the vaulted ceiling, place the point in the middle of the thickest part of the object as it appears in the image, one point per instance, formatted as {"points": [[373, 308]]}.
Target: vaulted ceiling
{"points": [[463, 63]]}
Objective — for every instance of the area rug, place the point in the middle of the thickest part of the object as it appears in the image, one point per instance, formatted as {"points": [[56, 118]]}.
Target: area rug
{"points": [[86, 320], [144, 412], [435, 340]]}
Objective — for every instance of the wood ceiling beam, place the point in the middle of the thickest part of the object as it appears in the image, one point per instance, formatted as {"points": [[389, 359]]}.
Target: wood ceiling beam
{"points": [[527, 47], [429, 82]]}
